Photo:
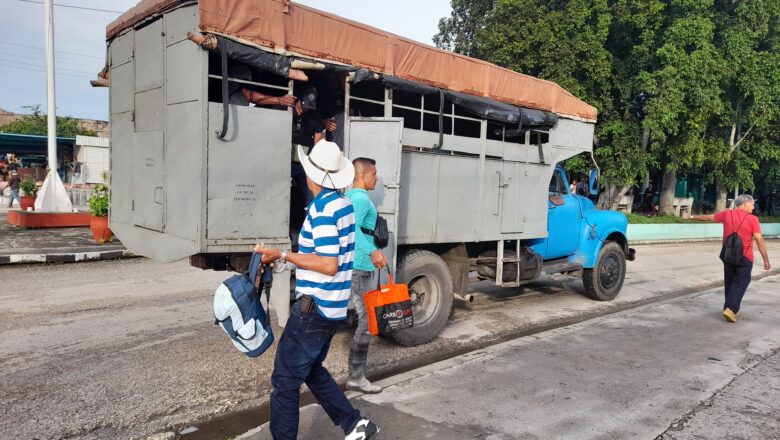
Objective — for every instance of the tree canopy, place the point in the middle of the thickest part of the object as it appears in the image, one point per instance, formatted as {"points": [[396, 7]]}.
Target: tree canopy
{"points": [[682, 86], [36, 124]]}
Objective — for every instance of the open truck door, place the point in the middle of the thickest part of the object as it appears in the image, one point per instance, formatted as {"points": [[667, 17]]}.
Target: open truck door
{"points": [[380, 139]]}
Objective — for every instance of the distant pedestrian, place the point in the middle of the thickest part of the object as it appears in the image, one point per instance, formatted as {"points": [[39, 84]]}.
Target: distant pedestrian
{"points": [[573, 187], [649, 202], [582, 187], [322, 287], [368, 259], [13, 186], [736, 277]]}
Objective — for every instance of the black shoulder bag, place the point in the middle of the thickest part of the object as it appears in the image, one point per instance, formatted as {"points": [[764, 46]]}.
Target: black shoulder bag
{"points": [[380, 233]]}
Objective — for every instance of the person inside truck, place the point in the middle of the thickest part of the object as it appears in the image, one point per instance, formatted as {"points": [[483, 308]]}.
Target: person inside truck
{"points": [[240, 94], [307, 129], [331, 106]]}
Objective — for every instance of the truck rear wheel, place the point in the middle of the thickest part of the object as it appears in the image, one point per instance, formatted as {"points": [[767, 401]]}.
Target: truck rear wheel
{"points": [[603, 282], [430, 288]]}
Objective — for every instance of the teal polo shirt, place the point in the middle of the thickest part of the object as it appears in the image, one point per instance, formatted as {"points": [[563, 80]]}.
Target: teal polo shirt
{"points": [[365, 217]]}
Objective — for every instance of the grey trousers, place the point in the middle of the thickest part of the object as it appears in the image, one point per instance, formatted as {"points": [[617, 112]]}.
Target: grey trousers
{"points": [[362, 282]]}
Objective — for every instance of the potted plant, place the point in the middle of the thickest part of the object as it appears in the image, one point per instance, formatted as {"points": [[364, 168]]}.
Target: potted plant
{"points": [[98, 205], [29, 192]]}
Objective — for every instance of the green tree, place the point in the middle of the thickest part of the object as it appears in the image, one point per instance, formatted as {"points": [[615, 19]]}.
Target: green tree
{"points": [[622, 146], [682, 86], [458, 32], [36, 123], [685, 89], [588, 47], [562, 41], [747, 38]]}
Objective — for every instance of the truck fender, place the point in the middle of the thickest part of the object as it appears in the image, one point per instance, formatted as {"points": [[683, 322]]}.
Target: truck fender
{"points": [[592, 239]]}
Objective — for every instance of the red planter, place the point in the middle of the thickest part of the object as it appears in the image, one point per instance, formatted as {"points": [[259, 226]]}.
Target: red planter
{"points": [[26, 202], [100, 230]]}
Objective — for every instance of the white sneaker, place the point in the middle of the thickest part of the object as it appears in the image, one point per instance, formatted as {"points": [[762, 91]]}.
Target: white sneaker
{"points": [[364, 430]]}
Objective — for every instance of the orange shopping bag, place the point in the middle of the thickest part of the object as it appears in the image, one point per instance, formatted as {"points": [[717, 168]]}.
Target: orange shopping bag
{"points": [[389, 308]]}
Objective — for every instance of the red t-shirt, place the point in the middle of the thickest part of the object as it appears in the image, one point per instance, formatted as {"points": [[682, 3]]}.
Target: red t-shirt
{"points": [[747, 223]]}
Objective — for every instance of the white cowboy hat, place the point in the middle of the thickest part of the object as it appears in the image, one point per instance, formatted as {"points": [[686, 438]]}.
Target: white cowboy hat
{"points": [[327, 166]]}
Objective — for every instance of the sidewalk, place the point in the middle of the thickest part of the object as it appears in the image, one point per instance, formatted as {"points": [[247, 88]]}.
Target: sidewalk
{"points": [[671, 370], [52, 245]]}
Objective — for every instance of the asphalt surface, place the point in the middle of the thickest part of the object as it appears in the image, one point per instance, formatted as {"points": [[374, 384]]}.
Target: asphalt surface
{"points": [[674, 370], [126, 349]]}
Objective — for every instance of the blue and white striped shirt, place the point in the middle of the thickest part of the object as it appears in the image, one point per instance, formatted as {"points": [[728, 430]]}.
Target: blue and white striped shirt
{"points": [[329, 230]]}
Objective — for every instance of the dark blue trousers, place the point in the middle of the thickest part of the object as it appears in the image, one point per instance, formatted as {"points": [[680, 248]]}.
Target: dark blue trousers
{"points": [[736, 280], [302, 349]]}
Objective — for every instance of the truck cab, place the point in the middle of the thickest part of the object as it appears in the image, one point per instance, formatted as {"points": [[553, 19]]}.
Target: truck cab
{"points": [[584, 238]]}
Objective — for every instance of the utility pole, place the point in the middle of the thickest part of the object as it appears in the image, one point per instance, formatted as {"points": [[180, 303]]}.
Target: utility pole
{"points": [[52, 197], [51, 117]]}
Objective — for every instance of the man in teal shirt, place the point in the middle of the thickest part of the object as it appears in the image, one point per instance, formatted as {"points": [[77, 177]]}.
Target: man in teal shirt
{"points": [[367, 260]]}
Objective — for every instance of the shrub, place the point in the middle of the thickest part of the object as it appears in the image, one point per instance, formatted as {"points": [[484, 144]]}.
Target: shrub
{"points": [[29, 187], [98, 203]]}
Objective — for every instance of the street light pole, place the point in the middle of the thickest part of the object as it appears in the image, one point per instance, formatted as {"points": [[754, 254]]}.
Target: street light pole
{"points": [[51, 117], [52, 197]]}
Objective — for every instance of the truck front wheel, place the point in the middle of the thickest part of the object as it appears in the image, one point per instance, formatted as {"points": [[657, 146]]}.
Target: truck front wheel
{"points": [[430, 288], [604, 281]]}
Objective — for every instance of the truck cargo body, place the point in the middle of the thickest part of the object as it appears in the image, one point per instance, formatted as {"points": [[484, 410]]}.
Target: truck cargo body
{"points": [[451, 183]]}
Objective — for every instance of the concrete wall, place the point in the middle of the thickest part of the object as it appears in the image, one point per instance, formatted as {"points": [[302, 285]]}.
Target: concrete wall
{"points": [[686, 232]]}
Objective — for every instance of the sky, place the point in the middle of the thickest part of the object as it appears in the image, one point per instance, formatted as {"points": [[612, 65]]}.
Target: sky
{"points": [[79, 41]]}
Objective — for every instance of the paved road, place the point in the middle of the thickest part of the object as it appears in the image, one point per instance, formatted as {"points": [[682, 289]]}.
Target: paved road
{"points": [[674, 370], [123, 349]]}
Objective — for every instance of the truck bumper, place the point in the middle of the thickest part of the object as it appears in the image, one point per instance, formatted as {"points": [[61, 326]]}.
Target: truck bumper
{"points": [[631, 256]]}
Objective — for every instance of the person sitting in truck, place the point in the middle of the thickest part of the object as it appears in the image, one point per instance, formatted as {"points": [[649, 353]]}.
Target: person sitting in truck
{"points": [[240, 94]]}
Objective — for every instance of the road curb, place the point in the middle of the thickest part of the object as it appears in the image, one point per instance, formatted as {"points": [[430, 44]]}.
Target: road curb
{"points": [[65, 257]]}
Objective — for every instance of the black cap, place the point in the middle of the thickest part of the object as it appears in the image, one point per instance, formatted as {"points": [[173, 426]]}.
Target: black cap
{"points": [[308, 98]]}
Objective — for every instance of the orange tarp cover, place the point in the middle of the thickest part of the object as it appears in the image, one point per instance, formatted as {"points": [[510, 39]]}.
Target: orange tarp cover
{"points": [[289, 27]]}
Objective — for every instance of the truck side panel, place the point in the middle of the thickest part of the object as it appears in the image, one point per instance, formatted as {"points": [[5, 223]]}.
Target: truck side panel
{"points": [[249, 174]]}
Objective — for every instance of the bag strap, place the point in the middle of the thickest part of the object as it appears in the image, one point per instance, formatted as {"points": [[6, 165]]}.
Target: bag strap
{"points": [[379, 277], [254, 266], [225, 96], [736, 230], [266, 282]]}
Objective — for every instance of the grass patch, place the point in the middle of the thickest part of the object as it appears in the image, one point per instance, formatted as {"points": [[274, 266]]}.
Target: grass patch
{"points": [[638, 219]]}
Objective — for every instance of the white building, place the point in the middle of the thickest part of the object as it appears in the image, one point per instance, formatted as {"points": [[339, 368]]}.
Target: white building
{"points": [[92, 154]]}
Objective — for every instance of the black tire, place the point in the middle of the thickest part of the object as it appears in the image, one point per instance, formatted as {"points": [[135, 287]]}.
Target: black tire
{"points": [[603, 282], [430, 287]]}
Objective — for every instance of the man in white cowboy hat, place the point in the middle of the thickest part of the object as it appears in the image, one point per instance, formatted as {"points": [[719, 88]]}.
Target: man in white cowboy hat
{"points": [[323, 279]]}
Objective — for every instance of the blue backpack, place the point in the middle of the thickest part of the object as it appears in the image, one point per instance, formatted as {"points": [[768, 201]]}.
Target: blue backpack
{"points": [[238, 310]]}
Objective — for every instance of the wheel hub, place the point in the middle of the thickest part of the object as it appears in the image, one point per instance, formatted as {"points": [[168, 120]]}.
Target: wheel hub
{"points": [[609, 272], [423, 291]]}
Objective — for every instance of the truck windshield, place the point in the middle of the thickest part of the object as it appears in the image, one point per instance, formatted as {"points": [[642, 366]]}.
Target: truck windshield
{"points": [[558, 185]]}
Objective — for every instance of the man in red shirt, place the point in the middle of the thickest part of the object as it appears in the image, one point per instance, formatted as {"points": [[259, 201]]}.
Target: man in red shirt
{"points": [[737, 277]]}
